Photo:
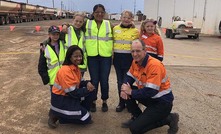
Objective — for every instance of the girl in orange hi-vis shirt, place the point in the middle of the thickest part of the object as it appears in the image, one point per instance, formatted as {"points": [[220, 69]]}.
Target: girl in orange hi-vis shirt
{"points": [[150, 35]]}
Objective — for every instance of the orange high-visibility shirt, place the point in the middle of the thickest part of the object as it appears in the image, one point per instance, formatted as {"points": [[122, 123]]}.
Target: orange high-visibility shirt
{"points": [[68, 78], [154, 44], [151, 75]]}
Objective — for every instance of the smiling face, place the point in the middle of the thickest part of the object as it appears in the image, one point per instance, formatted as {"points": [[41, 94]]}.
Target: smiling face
{"points": [[78, 21], [99, 14], [76, 57], [149, 27], [138, 51], [54, 36], [126, 18]]}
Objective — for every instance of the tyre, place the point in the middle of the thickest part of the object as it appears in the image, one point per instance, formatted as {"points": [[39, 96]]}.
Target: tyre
{"points": [[7, 21], [196, 36], [2, 21], [167, 33], [172, 35], [220, 27], [181, 26], [190, 36]]}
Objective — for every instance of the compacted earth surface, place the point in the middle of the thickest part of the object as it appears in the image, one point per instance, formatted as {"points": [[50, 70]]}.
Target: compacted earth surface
{"points": [[194, 67]]}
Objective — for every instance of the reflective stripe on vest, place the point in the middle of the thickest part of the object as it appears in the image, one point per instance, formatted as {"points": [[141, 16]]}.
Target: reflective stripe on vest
{"points": [[122, 42], [71, 113], [99, 41], [71, 39], [123, 38], [66, 112], [54, 62], [153, 86], [67, 90]]}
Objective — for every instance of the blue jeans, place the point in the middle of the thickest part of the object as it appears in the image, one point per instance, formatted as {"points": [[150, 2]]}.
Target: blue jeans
{"points": [[99, 69]]}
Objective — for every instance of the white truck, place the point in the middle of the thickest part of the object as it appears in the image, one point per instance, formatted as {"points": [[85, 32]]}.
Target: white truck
{"points": [[182, 27]]}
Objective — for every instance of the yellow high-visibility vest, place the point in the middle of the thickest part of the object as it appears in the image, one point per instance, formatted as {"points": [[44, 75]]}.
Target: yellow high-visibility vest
{"points": [[71, 39], [123, 38], [98, 41], [54, 62]]}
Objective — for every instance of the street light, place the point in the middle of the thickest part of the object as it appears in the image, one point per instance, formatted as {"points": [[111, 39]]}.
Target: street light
{"points": [[134, 6], [53, 3]]}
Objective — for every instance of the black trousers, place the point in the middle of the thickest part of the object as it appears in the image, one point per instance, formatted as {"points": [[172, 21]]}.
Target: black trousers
{"points": [[154, 116]]}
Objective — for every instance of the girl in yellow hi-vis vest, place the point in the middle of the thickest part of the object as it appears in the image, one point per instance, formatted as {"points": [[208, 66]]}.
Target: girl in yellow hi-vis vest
{"points": [[75, 36]]}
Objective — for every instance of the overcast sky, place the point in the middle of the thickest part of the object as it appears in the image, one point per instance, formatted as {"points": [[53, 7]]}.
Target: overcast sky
{"points": [[112, 6]]}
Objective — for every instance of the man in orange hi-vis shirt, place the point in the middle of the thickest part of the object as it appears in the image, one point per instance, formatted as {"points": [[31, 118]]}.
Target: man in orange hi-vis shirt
{"points": [[153, 91]]}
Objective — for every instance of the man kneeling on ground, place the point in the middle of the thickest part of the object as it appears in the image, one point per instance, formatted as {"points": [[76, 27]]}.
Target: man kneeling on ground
{"points": [[153, 91]]}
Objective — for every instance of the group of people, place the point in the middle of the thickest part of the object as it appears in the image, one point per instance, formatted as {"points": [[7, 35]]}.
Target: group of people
{"points": [[92, 45]]}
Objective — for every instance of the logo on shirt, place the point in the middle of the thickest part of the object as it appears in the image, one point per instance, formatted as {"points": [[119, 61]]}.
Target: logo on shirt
{"points": [[117, 31], [143, 74]]}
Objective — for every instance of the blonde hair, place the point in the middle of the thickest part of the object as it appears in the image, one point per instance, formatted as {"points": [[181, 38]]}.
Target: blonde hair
{"points": [[142, 27], [79, 14], [128, 12]]}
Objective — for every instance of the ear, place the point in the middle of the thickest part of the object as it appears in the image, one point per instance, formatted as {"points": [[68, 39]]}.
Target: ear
{"points": [[155, 22]]}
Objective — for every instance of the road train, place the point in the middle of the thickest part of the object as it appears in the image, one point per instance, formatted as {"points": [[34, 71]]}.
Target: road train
{"points": [[16, 12]]}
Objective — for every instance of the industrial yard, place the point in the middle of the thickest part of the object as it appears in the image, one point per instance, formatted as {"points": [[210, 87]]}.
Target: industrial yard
{"points": [[194, 67]]}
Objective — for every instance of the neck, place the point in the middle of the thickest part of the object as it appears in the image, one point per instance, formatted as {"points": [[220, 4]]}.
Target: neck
{"points": [[98, 22], [53, 42], [149, 34]]}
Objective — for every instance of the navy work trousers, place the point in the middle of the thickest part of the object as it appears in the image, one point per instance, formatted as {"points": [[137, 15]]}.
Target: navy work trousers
{"points": [[153, 116]]}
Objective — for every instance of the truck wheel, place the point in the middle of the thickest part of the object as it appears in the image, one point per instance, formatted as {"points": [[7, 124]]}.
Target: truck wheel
{"points": [[172, 35], [7, 20], [2, 21], [190, 36], [196, 36], [167, 33], [220, 27], [182, 26]]}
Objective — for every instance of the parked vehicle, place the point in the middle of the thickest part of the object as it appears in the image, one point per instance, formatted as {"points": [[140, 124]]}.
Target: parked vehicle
{"points": [[182, 27], [15, 12]]}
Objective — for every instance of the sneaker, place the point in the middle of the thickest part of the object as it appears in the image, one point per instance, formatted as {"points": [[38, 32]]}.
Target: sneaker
{"points": [[104, 107], [52, 122], [127, 123], [120, 108], [93, 107], [173, 124]]}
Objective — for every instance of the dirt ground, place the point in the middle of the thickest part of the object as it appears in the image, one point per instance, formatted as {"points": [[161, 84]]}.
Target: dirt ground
{"points": [[193, 66]]}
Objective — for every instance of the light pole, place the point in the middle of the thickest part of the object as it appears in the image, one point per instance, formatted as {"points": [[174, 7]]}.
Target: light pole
{"points": [[61, 5], [27, 2], [134, 6], [53, 3]]}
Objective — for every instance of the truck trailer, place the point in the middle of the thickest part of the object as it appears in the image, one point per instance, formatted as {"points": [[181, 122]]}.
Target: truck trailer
{"points": [[16, 12]]}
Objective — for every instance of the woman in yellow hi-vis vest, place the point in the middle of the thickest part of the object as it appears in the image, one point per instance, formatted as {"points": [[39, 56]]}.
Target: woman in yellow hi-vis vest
{"points": [[124, 34], [99, 45]]}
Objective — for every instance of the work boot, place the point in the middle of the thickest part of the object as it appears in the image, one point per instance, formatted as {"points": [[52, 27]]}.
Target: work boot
{"points": [[52, 122], [173, 119], [127, 123], [104, 107], [120, 107], [93, 107]]}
